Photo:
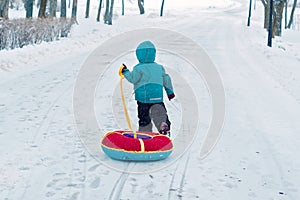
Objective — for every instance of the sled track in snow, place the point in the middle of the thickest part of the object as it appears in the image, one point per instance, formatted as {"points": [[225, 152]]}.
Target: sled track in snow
{"points": [[49, 110], [43, 123], [119, 185], [177, 181]]}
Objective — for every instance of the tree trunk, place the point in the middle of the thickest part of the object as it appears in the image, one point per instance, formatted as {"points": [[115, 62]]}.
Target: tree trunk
{"points": [[42, 11], [99, 11], [266, 4], [63, 9], [29, 8], [141, 6], [111, 10], [278, 12], [53, 6], [123, 7], [4, 5], [108, 12], [292, 14], [63, 15], [74, 9], [285, 13], [278, 6], [87, 10], [162, 8]]}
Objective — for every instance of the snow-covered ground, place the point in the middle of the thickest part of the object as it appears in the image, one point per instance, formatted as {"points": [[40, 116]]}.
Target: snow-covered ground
{"points": [[43, 157]]}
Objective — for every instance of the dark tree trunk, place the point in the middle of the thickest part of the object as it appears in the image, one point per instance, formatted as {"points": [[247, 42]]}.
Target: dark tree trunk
{"points": [[29, 8], [74, 9], [87, 10], [111, 9], [53, 7], [99, 11], [292, 14], [266, 4], [278, 6], [63, 9], [270, 29], [42, 11], [108, 12], [123, 7], [4, 5], [249, 13], [285, 13], [278, 13], [141, 6], [162, 8], [63, 15]]}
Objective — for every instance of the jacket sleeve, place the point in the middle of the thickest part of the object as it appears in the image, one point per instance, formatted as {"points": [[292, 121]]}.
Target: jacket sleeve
{"points": [[134, 76], [167, 83]]}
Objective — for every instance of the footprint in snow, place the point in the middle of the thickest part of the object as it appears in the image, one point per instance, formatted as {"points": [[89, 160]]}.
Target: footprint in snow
{"points": [[24, 168], [52, 183], [95, 183], [93, 168], [50, 194], [133, 184], [74, 196]]}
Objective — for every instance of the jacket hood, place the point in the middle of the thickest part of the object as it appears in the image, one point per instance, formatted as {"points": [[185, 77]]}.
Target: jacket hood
{"points": [[146, 52]]}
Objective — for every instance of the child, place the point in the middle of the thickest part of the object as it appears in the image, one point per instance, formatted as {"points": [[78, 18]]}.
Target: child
{"points": [[149, 79]]}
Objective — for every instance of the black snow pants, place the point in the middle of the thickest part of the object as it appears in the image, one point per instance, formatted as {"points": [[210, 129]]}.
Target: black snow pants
{"points": [[155, 112]]}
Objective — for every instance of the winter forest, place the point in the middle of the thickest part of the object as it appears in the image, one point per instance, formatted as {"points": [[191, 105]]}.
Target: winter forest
{"points": [[51, 20], [234, 111]]}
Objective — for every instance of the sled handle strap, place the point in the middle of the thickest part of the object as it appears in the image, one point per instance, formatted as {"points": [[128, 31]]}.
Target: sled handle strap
{"points": [[124, 103]]}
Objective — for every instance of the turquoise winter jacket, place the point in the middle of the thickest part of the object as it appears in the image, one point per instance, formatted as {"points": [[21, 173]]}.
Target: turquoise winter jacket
{"points": [[148, 77]]}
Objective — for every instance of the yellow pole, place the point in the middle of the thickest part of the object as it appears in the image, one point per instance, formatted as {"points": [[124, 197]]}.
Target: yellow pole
{"points": [[124, 103]]}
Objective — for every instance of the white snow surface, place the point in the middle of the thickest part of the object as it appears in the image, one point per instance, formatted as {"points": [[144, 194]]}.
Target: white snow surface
{"points": [[257, 157]]}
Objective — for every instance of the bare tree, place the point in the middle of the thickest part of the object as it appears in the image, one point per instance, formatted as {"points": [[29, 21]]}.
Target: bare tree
{"points": [[108, 12], [74, 9], [63, 9], [292, 14], [42, 11], [87, 9], [141, 6], [277, 13], [53, 7], [99, 11], [63, 16], [162, 8], [4, 5], [285, 13], [123, 7], [29, 8], [266, 4]]}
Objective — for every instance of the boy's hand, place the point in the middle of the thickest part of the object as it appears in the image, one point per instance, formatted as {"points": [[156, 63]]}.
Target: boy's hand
{"points": [[122, 69], [171, 96]]}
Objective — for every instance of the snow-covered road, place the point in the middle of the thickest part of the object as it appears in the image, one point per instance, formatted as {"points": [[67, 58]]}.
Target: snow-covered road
{"points": [[42, 156]]}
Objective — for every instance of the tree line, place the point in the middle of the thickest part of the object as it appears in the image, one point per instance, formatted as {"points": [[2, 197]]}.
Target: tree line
{"points": [[48, 8]]}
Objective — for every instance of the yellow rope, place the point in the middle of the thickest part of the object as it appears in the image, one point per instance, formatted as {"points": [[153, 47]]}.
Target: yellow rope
{"points": [[124, 104]]}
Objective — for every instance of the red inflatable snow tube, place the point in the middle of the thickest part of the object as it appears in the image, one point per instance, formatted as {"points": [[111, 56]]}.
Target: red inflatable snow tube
{"points": [[147, 146]]}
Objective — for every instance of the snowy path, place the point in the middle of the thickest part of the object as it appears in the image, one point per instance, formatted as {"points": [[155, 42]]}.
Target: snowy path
{"points": [[42, 156]]}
